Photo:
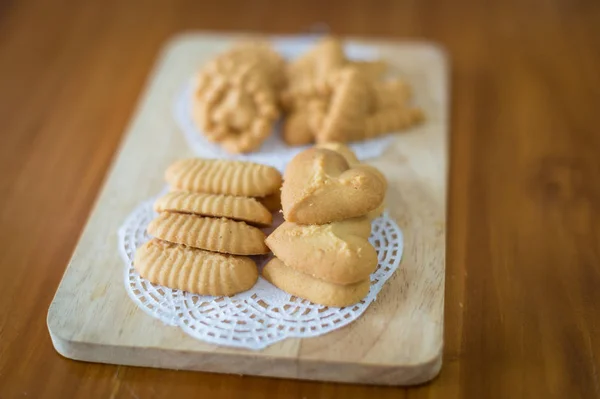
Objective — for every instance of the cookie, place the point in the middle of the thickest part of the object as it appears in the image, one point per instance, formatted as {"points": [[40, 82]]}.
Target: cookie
{"points": [[296, 130], [271, 202], [235, 101], [194, 270], [373, 170], [341, 149], [377, 212], [243, 209], [304, 89], [337, 252], [348, 109], [352, 160], [261, 53], [373, 70], [390, 94], [218, 235], [392, 119], [327, 55], [238, 119], [219, 176], [312, 289], [320, 187]]}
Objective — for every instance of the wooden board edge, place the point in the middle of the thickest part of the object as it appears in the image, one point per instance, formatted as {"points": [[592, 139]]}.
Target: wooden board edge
{"points": [[246, 364]]}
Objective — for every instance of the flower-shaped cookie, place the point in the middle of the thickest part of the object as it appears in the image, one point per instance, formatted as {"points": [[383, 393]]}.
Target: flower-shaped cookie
{"points": [[235, 101]]}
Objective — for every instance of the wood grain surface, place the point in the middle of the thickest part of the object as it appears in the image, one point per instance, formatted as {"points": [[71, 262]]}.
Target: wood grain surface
{"points": [[522, 317]]}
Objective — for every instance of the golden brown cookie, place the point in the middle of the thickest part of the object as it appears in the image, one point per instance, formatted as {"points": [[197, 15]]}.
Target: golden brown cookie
{"points": [[377, 212], [219, 176], [238, 119], [352, 160], [391, 120], [320, 187], [219, 235], [304, 89], [271, 202], [373, 170], [243, 209], [296, 129], [312, 289], [259, 52], [235, 102], [373, 70], [390, 94], [194, 270], [341, 149], [337, 252], [325, 56], [348, 109]]}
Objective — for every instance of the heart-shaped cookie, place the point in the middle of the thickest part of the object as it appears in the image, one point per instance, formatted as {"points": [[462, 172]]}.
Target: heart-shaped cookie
{"points": [[320, 187], [337, 252], [315, 290]]}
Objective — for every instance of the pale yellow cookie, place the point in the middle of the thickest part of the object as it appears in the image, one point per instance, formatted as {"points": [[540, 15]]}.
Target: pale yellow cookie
{"points": [[194, 270], [243, 209], [312, 289], [320, 187], [337, 252], [219, 235], [219, 176]]}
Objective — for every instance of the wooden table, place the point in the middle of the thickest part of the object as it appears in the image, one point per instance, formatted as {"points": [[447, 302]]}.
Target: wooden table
{"points": [[523, 266]]}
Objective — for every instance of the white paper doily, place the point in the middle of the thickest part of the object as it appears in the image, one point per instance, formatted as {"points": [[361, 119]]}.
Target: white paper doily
{"points": [[256, 318], [274, 151]]}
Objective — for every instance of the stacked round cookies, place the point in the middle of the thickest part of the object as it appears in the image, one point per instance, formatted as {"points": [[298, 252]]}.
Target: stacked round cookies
{"points": [[323, 97], [321, 251], [208, 226]]}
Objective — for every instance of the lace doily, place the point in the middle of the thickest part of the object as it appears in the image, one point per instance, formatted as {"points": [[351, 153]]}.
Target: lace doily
{"points": [[274, 151], [256, 318]]}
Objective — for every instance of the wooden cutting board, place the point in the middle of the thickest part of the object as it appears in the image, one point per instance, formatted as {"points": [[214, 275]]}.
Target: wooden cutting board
{"points": [[398, 340]]}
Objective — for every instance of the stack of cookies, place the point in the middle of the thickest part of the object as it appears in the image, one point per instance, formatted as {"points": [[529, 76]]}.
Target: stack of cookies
{"points": [[235, 101], [321, 251], [324, 96], [208, 225], [329, 98]]}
